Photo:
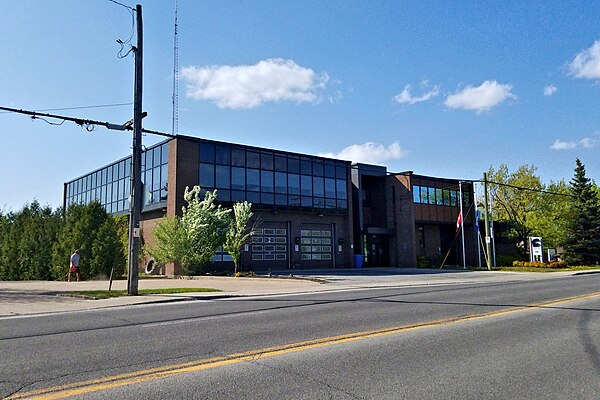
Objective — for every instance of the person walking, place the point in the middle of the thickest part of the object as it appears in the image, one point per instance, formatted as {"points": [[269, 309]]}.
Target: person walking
{"points": [[74, 266]]}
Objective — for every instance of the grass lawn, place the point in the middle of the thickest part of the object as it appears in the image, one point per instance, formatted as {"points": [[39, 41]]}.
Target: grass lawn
{"points": [[104, 294], [530, 269]]}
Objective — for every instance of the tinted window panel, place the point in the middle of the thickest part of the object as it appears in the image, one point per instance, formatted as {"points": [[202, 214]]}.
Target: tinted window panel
{"points": [[293, 184], [223, 177], [238, 178], [341, 189], [293, 165], [252, 159], [329, 170], [207, 152], [207, 176], [222, 155], [280, 163], [306, 185], [318, 187], [280, 182], [165, 153], [253, 197], [238, 157], [306, 166], [330, 188], [266, 161], [266, 181], [317, 168], [253, 180]]}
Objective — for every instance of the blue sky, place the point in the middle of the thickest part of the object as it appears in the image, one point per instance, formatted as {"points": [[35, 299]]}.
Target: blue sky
{"points": [[440, 88]]}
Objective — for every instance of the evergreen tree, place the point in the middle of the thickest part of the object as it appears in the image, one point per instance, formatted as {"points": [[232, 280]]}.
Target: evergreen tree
{"points": [[26, 242], [582, 246], [92, 230]]}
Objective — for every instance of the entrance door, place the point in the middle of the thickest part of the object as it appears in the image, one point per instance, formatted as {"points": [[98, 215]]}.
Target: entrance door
{"points": [[378, 254], [449, 244]]}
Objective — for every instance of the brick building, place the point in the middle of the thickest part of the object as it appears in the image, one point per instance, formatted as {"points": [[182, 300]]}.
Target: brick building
{"points": [[312, 212]]}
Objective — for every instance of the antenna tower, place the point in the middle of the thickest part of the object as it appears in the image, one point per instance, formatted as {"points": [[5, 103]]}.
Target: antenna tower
{"points": [[175, 123]]}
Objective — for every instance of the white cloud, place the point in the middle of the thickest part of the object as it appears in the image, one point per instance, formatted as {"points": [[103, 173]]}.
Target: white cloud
{"points": [[481, 98], [550, 90], [249, 86], [586, 143], [369, 152], [405, 97], [586, 63], [563, 145]]}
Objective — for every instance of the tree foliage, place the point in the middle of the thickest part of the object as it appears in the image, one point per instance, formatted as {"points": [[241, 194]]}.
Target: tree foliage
{"points": [[583, 241], [193, 239], [239, 233], [26, 240], [93, 231], [514, 205]]}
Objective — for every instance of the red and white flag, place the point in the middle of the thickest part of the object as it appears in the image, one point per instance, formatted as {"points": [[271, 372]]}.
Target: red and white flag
{"points": [[458, 220]]}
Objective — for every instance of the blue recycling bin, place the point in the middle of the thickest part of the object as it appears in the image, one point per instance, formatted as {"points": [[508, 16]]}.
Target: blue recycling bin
{"points": [[358, 260]]}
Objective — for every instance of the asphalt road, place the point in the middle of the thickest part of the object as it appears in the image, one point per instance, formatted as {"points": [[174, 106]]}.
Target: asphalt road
{"points": [[498, 340]]}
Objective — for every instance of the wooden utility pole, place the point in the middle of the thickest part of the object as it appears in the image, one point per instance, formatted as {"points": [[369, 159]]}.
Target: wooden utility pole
{"points": [[488, 239], [136, 164]]}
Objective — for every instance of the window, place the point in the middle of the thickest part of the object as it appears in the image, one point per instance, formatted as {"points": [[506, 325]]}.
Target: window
{"points": [[223, 177], [223, 155], [252, 159], [266, 161], [341, 189], [207, 152], [253, 180], [280, 182], [207, 176], [431, 192], [318, 187], [306, 185], [416, 194], [238, 157], [266, 182], [316, 244], [293, 184], [238, 178]]}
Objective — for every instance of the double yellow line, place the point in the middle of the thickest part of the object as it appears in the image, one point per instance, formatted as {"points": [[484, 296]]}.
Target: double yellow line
{"points": [[115, 381]]}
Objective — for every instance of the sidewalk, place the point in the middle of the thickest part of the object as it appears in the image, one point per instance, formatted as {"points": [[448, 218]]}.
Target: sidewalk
{"points": [[42, 297]]}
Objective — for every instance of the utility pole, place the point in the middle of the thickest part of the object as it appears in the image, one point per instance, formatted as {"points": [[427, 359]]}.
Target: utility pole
{"points": [[136, 164], [462, 219], [488, 239]]}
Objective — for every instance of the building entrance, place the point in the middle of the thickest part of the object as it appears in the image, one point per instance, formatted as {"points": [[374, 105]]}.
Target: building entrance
{"points": [[378, 254]]}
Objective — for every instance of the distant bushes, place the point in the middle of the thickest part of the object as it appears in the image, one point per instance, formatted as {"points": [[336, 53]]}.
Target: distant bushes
{"points": [[539, 264]]}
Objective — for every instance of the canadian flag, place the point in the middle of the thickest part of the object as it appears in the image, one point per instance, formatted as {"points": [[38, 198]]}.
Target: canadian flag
{"points": [[458, 220]]}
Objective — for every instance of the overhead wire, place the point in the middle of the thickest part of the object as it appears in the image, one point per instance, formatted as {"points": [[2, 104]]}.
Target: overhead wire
{"points": [[77, 108], [124, 43]]}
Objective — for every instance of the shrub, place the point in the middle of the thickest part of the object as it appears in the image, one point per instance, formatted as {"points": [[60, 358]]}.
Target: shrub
{"points": [[539, 264]]}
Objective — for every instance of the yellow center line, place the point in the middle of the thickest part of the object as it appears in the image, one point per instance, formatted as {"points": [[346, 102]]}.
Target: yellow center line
{"points": [[114, 381]]}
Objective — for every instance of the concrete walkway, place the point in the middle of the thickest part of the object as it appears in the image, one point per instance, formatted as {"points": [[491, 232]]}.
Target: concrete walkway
{"points": [[41, 297]]}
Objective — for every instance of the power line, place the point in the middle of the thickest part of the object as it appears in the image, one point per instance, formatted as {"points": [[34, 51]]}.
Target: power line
{"points": [[528, 189], [88, 124], [122, 5], [76, 108]]}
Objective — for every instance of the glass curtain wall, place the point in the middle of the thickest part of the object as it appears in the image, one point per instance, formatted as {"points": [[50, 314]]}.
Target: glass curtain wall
{"points": [[111, 185], [272, 178]]}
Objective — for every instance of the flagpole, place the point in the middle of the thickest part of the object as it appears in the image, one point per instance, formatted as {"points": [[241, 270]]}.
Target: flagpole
{"points": [[477, 227], [462, 217]]}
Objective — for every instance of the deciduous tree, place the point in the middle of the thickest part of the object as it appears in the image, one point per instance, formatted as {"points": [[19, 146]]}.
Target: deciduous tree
{"points": [[239, 233]]}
